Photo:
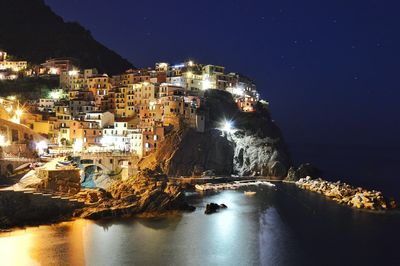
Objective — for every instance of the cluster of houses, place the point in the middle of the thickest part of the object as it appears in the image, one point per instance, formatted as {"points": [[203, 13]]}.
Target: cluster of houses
{"points": [[130, 112], [11, 69]]}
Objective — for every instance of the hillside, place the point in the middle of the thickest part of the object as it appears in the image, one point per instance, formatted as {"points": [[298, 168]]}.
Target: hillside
{"points": [[30, 30]]}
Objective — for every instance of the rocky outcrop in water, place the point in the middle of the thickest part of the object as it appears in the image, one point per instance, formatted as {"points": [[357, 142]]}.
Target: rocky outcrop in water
{"points": [[254, 147], [304, 170], [345, 194], [214, 207], [134, 196]]}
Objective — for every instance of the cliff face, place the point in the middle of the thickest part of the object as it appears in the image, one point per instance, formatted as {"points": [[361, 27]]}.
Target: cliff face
{"points": [[30, 30], [254, 147]]}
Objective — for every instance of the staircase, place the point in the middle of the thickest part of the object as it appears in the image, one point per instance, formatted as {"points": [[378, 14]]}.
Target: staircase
{"points": [[54, 196]]}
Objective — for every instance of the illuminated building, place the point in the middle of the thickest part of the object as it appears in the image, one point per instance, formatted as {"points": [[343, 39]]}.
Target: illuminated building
{"points": [[103, 119], [56, 66], [87, 131]]}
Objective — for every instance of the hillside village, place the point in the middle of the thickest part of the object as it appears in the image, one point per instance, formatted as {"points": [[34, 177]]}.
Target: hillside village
{"points": [[94, 113]]}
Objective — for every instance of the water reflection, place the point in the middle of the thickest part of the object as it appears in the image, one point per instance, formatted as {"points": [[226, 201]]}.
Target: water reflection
{"points": [[44, 245], [278, 226]]}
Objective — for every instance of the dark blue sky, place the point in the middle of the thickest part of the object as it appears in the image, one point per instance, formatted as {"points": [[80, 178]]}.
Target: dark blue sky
{"points": [[329, 68]]}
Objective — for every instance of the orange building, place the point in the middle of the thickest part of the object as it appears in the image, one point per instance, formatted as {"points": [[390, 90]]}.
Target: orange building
{"points": [[88, 131]]}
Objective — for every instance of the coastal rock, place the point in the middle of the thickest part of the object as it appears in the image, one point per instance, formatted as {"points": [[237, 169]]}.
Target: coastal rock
{"points": [[308, 169], [345, 194], [214, 207], [255, 147], [134, 196], [292, 175]]}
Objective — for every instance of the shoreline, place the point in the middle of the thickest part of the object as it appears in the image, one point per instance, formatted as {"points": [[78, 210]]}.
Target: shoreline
{"points": [[347, 195], [133, 211]]}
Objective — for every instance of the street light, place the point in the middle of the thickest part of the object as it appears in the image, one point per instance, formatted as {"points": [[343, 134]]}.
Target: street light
{"points": [[227, 126], [19, 112]]}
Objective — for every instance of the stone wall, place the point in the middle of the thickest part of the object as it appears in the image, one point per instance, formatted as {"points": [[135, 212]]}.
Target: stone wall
{"points": [[60, 180]]}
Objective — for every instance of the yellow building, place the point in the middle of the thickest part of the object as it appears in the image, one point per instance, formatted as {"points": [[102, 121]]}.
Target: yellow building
{"points": [[144, 93], [99, 85], [13, 65]]}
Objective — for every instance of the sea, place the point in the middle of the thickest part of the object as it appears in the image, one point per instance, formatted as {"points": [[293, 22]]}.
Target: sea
{"points": [[373, 167], [281, 225]]}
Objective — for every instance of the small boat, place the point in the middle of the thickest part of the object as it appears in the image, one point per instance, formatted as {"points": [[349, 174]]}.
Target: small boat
{"points": [[250, 193], [65, 162]]}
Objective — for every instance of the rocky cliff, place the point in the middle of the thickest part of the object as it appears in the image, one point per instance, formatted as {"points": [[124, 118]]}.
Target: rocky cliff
{"points": [[137, 195], [254, 146]]}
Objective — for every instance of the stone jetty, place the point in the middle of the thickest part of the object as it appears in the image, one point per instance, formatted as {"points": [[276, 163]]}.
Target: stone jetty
{"points": [[343, 193]]}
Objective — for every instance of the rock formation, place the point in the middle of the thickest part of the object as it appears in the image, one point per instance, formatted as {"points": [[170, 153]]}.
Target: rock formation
{"points": [[254, 147], [214, 207], [133, 196], [345, 194], [304, 170]]}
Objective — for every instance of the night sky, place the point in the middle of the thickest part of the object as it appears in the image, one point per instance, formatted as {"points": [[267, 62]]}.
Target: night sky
{"points": [[330, 69]]}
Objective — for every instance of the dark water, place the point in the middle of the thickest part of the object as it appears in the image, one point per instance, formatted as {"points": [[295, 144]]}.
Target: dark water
{"points": [[277, 226], [372, 167]]}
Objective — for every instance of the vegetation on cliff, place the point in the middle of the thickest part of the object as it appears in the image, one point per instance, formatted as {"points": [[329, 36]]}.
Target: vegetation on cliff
{"points": [[29, 88]]}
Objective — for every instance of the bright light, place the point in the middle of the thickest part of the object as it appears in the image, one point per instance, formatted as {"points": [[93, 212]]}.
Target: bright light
{"points": [[41, 147], [19, 112], [53, 71], [206, 84], [178, 66], [16, 120], [189, 74], [190, 63], [238, 91], [9, 109], [78, 145], [55, 95], [12, 98], [73, 72], [3, 140], [227, 126]]}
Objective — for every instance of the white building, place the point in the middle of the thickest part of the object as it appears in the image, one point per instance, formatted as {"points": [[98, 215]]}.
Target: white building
{"points": [[104, 119], [46, 104]]}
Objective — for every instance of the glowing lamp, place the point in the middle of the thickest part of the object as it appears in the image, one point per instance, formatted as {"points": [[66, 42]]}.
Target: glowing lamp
{"points": [[227, 126], [73, 72], [19, 112]]}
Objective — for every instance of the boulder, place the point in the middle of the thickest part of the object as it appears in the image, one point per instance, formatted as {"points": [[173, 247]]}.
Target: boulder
{"points": [[308, 169], [214, 207]]}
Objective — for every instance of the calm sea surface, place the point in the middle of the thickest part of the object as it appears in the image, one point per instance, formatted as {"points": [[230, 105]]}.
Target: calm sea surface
{"points": [[277, 226], [371, 167]]}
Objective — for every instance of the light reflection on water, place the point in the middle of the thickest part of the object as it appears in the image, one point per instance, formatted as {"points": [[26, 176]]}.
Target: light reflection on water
{"points": [[281, 226]]}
